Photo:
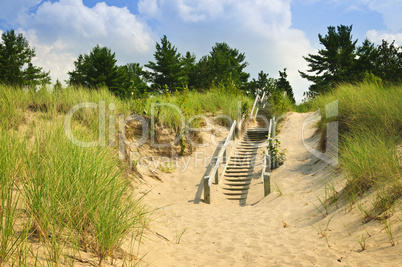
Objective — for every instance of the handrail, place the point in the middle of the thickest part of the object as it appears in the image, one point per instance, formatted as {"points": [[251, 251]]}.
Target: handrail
{"points": [[267, 156], [222, 153], [255, 103], [268, 160], [219, 159]]}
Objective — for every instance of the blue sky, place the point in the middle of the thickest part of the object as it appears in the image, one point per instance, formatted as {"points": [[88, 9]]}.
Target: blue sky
{"points": [[273, 34]]}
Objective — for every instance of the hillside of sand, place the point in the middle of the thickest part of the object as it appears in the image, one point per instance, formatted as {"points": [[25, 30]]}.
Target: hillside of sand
{"points": [[289, 227]]}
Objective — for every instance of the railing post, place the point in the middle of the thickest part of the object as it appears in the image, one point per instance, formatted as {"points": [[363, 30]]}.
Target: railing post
{"points": [[267, 176], [207, 190], [217, 176], [273, 134], [267, 183]]}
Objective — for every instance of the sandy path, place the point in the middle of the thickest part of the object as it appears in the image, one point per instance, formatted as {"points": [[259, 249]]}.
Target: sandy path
{"points": [[224, 234]]}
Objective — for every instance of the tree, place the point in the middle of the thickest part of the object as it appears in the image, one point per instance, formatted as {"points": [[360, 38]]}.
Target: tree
{"points": [[16, 67], [283, 84], [167, 70], [190, 69], [223, 65], [98, 68], [334, 63], [388, 62], [366, 59], [134, 82], [263, 84]]}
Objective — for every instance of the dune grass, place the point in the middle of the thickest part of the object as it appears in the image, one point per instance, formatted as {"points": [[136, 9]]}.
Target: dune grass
{"points": [[69, 198], [370, 127], [170, 109]]}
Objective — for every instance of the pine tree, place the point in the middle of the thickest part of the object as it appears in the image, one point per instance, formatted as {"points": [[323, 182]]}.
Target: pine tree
{"points": [[96, 69], [167, 70], [334, 63], [16, 67], [283, 84]]}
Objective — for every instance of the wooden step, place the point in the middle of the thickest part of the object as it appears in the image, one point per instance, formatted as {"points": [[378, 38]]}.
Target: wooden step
{"points": [[245, 171], [234, 179], [236, 188], [233, 175], [236, 193], [244, 183]]}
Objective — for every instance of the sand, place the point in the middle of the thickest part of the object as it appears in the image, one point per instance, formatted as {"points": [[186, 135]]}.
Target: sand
{"points": [[282, 229]]}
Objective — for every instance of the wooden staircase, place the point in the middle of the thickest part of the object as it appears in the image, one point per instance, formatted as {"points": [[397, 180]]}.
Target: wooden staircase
{"points": [[240, 169]]}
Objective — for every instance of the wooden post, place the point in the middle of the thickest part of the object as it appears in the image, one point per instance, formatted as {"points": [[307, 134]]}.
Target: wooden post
{"points": [[271, 155], [267, 183], [217, 176], [207, 190], [267, 176]]}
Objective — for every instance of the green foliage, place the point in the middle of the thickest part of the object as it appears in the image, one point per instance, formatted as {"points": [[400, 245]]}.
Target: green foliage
{"points": [[217, 100], [283, 84], [279, 102], [389, 62], [16, 68], [370, 123], [278, 154], [97, 69], [342, 61], [133, 81], [224, 65], [263, 84], [167, 68], [334, 63], [74, 197]]}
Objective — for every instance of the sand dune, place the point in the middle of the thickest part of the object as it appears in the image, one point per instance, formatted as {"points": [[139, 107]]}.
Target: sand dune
{"points": [[279, 230]]}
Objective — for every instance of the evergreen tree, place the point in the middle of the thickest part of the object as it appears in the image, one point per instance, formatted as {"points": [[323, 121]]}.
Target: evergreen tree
{"points": [[167, 70], [98, 68], [263, 84], [388, 63], [366, 59], [134, 82], [223, 65], [334, 63], [190, 69], [16, 67], [283, 84]]}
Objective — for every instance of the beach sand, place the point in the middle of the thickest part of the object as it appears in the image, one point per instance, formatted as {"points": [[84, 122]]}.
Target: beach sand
{"points": [[290, 228]]}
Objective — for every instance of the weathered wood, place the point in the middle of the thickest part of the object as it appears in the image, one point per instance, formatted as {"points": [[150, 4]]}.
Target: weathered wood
{"points": [[217, 176], [252, 110], [207, 190], [267, 183]]}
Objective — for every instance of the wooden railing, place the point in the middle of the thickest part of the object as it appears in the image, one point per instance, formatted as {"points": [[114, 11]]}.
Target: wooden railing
{"points": [[259, 101], [268, 159], [220, 160], [252, 115]]}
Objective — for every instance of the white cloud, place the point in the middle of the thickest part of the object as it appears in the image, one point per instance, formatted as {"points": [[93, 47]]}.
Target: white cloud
{"points": [[377, 37], [149, 8], [261, 29], [390, 11], [62, 30]]}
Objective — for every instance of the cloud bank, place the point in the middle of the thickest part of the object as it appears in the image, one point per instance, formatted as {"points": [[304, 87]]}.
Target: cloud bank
{"points": [[61, 30]]}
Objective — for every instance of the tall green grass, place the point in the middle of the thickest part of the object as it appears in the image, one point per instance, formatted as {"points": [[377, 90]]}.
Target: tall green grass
{"points": [[370, 127], [71, 198], [216, 101], [10, 165]]}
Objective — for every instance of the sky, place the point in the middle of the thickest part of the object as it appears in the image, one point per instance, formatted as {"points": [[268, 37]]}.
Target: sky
{"points": [[273, 34]]}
